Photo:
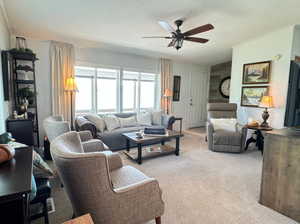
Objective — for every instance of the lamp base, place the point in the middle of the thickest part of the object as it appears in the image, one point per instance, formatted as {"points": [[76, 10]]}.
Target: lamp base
{"points": [[265, 116]]}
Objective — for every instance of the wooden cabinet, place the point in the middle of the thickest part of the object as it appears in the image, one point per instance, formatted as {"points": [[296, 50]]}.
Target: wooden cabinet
{"points": [[21, 130], [280, 185]]}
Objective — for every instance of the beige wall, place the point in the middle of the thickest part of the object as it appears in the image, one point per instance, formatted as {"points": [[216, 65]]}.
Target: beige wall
{"points": [[4, 45], [262, 49]]}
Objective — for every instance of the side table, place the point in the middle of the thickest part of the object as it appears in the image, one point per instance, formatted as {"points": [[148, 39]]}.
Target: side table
{"points": [[259, 137], [180, 120]]}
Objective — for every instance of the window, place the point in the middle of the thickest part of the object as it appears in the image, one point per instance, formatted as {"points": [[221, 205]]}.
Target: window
{"points": [[130, 91], [107, 90], [148, 89], [84, 96], [104, 90]]}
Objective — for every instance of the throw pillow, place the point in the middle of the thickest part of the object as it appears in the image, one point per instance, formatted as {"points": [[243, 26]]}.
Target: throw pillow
{"points": [[144, 119], [40, 167], [156, 117], [98, 121], [112, 122], [226, 124], [128, 121]]}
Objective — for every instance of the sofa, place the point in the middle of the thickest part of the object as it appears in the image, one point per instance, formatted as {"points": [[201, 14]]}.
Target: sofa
{"points": [[114, 138], [220, 137]]}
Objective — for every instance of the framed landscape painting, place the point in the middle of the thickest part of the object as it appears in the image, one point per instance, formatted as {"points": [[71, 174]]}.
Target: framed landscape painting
{"points": [[257, 73], [251, 95]]}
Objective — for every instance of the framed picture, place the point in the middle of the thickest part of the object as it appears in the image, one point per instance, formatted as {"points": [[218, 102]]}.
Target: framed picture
{"points": [[251, 95], [257, 73], [176, 88]]}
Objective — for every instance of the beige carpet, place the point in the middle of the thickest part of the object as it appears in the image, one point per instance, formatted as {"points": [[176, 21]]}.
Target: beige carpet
{"points": [[201, 186]]}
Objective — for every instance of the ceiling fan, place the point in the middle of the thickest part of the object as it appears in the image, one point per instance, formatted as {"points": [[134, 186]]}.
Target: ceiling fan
{"points": [[178, 37]]}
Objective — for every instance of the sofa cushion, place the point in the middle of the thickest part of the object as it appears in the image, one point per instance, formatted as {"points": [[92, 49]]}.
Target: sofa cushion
{"points": [[221, 137], [227, 124], [112, 122], [144, 119], [156, 117], [98, 121], [128, 122]]}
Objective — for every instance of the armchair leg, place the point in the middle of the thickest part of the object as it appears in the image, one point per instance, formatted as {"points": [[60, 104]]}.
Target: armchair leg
{"points": [[158, 220]]}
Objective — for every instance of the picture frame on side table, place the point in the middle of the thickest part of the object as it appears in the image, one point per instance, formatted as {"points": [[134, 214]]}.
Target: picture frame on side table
{"points": [[257, 73], [251, 95]]}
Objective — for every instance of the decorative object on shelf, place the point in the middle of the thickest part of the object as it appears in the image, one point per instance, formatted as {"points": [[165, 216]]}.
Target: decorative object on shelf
{"points": [[224, 87], [6, 153], [167, 95], [266, 102], [257, 73], [176, 88], [252, 95], [27, 94], [25, 68], [21, 43], [71, 87]]}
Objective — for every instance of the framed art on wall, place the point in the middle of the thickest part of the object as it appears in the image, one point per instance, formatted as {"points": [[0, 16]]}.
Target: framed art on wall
{"points": [[176, 88], [251, 95], [257, 73]]}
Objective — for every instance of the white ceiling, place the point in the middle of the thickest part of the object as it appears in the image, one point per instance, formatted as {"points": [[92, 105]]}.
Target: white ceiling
{"points": [[119, 24]]}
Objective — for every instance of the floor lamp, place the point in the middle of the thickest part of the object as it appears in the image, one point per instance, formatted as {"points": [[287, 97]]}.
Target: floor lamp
{"points": [[168, 95], [71, 87]]}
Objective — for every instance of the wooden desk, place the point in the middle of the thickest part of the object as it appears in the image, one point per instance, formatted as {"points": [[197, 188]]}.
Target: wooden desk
{"points": [[15, 186]]}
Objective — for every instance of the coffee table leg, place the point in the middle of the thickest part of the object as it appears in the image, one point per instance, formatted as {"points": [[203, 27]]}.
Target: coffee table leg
{"points": [[177, 146], [127, 145], [139, 159]]}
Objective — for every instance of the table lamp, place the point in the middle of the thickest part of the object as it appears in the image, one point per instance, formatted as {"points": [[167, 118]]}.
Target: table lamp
{"points": [[266, 102], [167, 94], [71, 87]]}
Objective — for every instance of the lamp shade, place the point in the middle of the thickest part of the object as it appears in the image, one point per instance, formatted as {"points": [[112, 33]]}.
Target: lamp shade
{"points": [[266, 102], [71, 85], [167, 93]]}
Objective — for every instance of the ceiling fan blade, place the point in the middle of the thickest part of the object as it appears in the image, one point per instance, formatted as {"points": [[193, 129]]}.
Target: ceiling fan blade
{"points": [[199, 29], [196, 39], [172, 43], [158, 37], [166, 26]]}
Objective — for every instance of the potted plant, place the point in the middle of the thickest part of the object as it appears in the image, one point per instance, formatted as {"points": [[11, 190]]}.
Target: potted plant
{"points": [[26, 93]]}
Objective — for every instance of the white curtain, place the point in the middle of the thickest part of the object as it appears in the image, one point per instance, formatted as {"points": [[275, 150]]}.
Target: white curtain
{"points": [[62, 62], [166, 76]]}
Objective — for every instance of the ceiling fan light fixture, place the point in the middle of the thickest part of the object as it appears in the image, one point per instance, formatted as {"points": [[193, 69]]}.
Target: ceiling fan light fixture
{"points": [[177, 37], [179, 44]]}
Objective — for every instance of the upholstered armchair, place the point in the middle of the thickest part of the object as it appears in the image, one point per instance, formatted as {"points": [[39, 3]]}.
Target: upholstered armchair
{"points": [[99, 184], [55, 126], [224, 140]]}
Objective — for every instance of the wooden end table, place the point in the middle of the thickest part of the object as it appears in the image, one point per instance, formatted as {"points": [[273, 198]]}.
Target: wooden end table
{"points": [[259, 137], [146, 141]]}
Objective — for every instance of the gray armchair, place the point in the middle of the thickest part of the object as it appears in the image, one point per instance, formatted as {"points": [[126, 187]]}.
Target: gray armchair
{"points": [[222, 140], [99, 184], [55, 126]]}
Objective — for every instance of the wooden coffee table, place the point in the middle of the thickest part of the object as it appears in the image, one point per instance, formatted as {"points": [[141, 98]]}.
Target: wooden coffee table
{"points": [[164, 149]]}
